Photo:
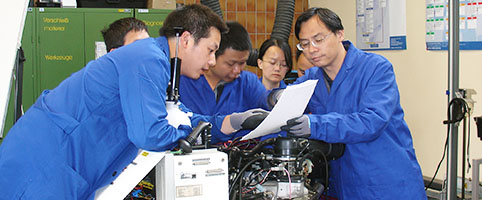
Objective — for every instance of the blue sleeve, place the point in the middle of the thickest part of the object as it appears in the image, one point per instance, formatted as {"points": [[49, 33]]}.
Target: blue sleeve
{"points": [[216, 122], [377, 103], [142, 86], [257, 94]]}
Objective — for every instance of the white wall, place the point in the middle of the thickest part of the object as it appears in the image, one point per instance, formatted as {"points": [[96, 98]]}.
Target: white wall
{"points": [[422, 80], [13, 21]]}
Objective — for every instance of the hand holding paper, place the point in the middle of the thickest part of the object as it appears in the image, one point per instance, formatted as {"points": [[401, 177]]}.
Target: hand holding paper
{"points": [[291, 104]]}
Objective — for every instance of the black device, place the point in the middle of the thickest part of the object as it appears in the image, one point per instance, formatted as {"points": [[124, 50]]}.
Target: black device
{"points": [[257, 170], [188, 144], [173, 88], [112, 3], [48, 3], [478, 121]]}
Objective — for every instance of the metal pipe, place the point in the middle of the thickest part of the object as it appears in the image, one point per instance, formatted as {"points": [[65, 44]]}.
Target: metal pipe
{"points": [[475, 178], [453, 87], [464, 138]]}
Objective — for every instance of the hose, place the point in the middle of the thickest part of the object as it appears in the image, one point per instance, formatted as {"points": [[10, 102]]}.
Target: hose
{"points": [[214, 5], [283, 21]]}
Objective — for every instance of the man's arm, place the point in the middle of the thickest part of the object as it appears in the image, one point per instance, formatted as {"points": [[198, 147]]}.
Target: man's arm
{"points": [[378, 102], [143, 79]]}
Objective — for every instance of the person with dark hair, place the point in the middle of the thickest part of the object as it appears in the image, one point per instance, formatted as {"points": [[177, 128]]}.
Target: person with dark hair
{"points": [[123, 32], [225, 88], [302, 63], [356, 102], [275, 60], [79, 136]]}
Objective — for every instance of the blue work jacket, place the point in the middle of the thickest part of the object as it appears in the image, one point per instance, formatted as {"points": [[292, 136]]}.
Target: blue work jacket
{"points": [[282, 84], [244, 93], [363, 111], [79, 136]]}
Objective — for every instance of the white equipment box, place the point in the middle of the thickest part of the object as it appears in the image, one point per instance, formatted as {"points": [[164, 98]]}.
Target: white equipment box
{"points": [[202, 174]]}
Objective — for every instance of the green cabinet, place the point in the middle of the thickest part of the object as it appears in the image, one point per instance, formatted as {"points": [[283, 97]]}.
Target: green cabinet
{"points": [[67, 37], [60, 44], [29, 46], [153, 18], [60, 41]]}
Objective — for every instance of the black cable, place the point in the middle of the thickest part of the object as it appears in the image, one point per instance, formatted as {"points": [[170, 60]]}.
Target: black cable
{"points": [[441, 160], [251, 178], [239, 174], [326, 175], [257, 181], [299, 154], [326, 170], [468, 146], [241, 186], [461, 115], [450, 121]]}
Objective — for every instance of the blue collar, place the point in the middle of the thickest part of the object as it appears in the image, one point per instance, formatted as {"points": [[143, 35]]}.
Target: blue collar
{"points": [[351, 55]]}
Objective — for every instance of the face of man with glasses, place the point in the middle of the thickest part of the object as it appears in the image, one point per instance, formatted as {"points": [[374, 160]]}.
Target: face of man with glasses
{"points": [[320, 45]]}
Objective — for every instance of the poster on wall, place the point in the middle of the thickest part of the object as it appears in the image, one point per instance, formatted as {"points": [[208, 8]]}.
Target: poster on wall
{"points": [[437, 24], [381, 25]]}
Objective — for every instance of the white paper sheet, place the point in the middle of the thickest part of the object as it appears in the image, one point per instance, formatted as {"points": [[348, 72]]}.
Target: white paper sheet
{"points": [[291, 104]]}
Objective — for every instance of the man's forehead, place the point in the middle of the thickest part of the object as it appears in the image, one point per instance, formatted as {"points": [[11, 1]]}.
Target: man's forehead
{"points": [[312, 27], [231, 54], [212, 39]]}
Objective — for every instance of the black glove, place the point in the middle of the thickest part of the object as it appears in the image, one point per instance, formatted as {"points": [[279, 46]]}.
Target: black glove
{"points": [[249, 119], [274, 96], [298, 127]]}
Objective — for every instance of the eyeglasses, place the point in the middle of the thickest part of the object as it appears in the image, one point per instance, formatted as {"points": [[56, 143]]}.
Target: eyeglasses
{"points": [[273, 63], [316, 42]]}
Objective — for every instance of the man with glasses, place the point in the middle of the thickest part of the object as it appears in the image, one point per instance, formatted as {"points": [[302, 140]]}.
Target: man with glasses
{"points": [[356, 102]]}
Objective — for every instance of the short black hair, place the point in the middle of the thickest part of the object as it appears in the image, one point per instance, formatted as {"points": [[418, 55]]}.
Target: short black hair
{"points": [[115, 33], [328, 17], [298, 54], [283, 45], [196, 19], [236, 38]]}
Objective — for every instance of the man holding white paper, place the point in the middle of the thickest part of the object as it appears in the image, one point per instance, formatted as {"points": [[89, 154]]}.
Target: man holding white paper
{"points": [[356, 102]]}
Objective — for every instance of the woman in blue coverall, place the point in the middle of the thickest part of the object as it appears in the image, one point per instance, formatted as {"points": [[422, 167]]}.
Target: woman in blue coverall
{"points": [[275, 60], [356, 102], [79, 136]]}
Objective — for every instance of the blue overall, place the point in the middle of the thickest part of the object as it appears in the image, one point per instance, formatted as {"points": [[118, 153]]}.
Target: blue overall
{"points": [[362, 110], [282, 84], [244, 93], [79, 136]]}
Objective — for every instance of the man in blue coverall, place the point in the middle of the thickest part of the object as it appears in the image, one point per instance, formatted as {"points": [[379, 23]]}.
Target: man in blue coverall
{"points": [[356, 102], [225, 88], [123, 32], [79, 136]]}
